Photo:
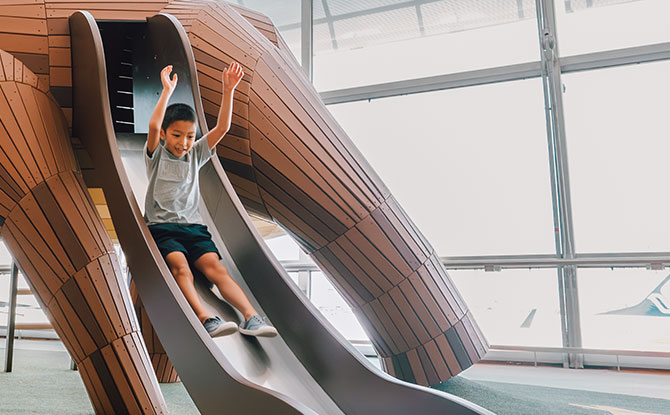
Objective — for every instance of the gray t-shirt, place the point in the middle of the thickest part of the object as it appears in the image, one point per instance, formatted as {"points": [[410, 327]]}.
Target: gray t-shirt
{"points": [[173, 194]]}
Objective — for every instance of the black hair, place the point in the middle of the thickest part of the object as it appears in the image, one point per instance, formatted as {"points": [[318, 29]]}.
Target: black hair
{"points": [[177, 112]]}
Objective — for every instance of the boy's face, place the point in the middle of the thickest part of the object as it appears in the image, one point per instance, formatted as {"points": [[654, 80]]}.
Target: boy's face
{"points": [[179, 137]]}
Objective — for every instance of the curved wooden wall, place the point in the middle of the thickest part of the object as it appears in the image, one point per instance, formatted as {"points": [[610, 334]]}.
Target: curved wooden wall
{"points": [[52, 229], [290, 161]]}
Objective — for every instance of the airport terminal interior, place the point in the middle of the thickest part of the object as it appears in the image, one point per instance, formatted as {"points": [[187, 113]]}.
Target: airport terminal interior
{"points": [[453, 205]]}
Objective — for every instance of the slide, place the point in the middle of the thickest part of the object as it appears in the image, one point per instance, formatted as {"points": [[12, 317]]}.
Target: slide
{"points": [[309, 368]]}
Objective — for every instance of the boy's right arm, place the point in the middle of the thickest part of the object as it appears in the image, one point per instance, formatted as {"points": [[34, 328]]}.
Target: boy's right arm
{"points": [[156, 119]]}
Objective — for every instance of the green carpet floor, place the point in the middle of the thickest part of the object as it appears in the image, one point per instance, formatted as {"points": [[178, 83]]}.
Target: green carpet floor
{"points": [[514, 399], [42, 383]]}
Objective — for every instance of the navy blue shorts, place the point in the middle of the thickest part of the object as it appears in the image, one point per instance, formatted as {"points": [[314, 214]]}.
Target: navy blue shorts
{"points": [[193, 240]]}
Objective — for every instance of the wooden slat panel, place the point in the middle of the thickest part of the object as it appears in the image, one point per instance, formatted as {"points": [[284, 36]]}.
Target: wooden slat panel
{"points": [[384, 327], [448, 354], [35, 11], [117, 372], [16, 147], [13, 42], [23, 26], [60, 57], [38, 133], [417, 369], [437, 360], [410, 315], [435, 310], [418, 307], [93, 389], [428, 368], [60, 226], [370, 251], [60, 76], [38, 285], [399, 321]]}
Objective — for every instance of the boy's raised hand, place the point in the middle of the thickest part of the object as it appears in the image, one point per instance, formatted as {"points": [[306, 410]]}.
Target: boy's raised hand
{"points": [[231, 76], [168, 84]]}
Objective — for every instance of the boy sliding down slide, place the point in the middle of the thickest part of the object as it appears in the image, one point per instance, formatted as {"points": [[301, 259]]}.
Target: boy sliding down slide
{"points": [[172, 208]]}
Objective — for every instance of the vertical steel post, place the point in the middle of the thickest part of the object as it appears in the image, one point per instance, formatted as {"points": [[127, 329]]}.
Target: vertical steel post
{"points": [[11, 318], [307, 38], [560, 179]]}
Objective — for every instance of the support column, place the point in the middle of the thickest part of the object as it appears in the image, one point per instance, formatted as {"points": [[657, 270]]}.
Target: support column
{"points": [[52, 229]]}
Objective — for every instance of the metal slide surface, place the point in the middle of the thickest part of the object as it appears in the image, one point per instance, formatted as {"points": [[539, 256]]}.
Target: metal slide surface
{"points": [[310, 368]]}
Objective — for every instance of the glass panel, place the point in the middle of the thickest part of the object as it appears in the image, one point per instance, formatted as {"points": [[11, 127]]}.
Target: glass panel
{"points": [[625, 309], [27, 308], [596, 25], [285, 14], [5, 256], [326, 298], [617, 148], [284, 248], [374, 41], [294, 276], [513, 307], [469, 168]]}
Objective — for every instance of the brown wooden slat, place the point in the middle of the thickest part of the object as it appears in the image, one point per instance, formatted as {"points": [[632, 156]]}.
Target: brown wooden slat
{"points": [[436, 292], [428, 368], [94, 271], [427, 298], [388, 332], [418, 306], [23, 25], [399, 321], [112, 360], [304, 100], [93, 387], [38, 133], [362, 260], [58, 26], [35, 11], [35, 236], [60, 225], [7, 65], [13, 42], [83, 336], [410, 315], [90, 293], [60, 57], [60, 76], [437, 360], [267, 97], [47, 276], [355, 270], [448, 355], [317, 164], [78, 223], [16, 147], [417, 369], [322, 232]]}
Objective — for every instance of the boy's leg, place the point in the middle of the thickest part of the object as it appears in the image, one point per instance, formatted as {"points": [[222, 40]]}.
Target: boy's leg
{"points": [[178, 265], [214, 270]]}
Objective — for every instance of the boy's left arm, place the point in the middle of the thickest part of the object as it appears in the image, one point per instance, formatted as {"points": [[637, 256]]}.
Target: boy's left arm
{"points": [[231, 78]]}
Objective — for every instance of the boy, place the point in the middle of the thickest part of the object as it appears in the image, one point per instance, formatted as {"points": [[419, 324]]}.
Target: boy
{"points": [[172, 202]]}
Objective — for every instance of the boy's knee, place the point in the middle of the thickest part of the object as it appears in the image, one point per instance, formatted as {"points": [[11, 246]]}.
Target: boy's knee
{"points": [[182, 272]]}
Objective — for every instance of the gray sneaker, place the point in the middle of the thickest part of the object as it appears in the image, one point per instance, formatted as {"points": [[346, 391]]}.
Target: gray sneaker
{"points": [[217, 327], [256, 326]]}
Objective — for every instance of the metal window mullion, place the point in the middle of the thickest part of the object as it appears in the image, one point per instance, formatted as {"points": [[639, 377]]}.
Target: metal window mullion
{"points": [[11, 318], [307, 37], [567, 276]]}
